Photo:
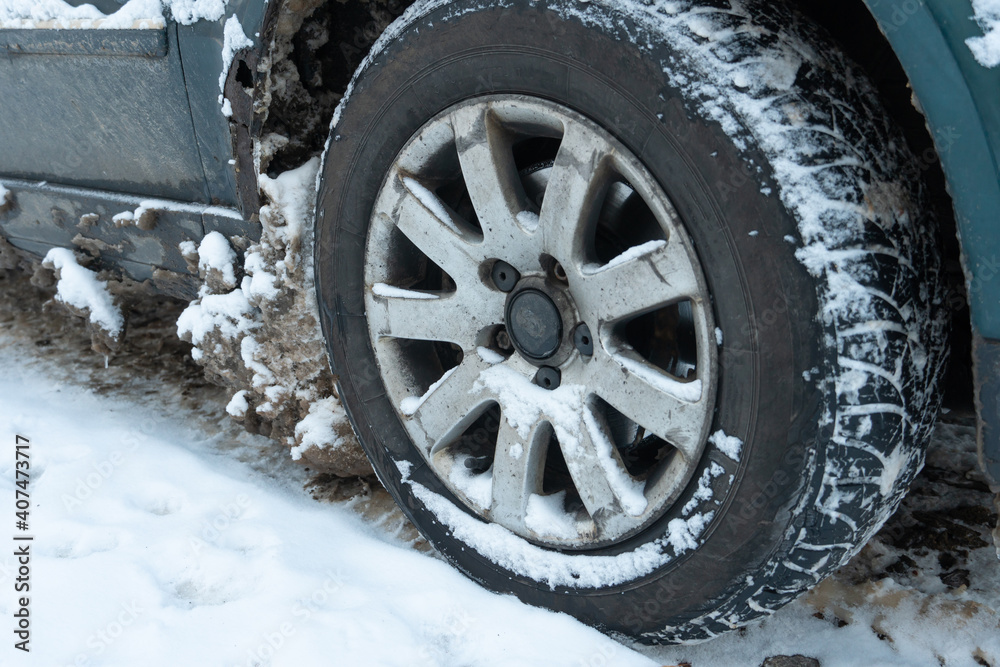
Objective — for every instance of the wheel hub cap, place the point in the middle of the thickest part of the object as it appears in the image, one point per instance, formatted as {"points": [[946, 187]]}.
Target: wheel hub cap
{"points": [[534, 324]]}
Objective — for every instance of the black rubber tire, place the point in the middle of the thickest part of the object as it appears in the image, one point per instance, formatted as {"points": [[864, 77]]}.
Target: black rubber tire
{"points": [[832, 392]]}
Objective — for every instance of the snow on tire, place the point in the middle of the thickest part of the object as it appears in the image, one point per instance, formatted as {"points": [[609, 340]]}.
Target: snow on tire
{"points": [[727, 374]]}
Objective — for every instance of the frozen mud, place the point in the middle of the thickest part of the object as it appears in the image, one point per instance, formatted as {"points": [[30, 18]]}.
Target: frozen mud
{"points": [[255, 329]]}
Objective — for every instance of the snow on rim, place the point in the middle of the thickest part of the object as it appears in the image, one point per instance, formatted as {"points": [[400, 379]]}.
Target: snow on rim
{"points": [[550, 567]]}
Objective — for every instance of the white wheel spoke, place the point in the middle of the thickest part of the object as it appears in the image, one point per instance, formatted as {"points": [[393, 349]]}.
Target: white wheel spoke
{"points": [[493, 183], [673, 410], [517, 473], [650, 276], [442, 241], [448, 408], [456, 318], [604, 485], [573, 193]]}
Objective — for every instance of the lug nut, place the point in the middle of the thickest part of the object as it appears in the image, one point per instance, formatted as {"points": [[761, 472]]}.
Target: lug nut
{"points": [[503, 340], [583, 340], [504, 276], [548, 377]]}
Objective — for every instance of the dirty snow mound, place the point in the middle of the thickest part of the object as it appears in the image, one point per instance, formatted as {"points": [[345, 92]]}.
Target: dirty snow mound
{"points": [[263, 337]]}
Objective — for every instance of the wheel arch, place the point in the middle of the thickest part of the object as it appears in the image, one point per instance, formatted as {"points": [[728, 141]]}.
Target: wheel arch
{"points": [[960, 100]]}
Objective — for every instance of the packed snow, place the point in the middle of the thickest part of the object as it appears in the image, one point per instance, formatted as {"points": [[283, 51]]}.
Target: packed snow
{"points": [[316, 428], [162, 540], [231, 313], [80, 288], [528, 219], [634, 253], [729, 445], [686, 391], [556, 569], [704, 491], [392, 292], [986, 49], [409, 405], [431, 202], [215, 253], [477, 488], [547, 516]]}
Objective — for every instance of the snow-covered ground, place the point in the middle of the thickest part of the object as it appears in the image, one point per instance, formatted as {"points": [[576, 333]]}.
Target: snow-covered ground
{"points": [[165, 536]]}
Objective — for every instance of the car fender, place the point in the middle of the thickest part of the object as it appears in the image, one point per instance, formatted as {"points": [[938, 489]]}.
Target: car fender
{"points": [[960, 99]]}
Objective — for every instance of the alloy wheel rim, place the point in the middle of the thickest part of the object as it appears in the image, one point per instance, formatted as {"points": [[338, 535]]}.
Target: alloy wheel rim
{"points": [[518, 263]]}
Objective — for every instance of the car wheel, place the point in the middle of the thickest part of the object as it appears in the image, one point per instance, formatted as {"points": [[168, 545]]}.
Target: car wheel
{"points": [[633, 311]]}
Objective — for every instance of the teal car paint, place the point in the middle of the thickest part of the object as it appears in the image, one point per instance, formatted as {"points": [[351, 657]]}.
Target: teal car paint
{"points": [[960, 99]]}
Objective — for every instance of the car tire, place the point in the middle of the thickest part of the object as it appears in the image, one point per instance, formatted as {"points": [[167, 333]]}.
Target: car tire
{"points": [[793, 206]]}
